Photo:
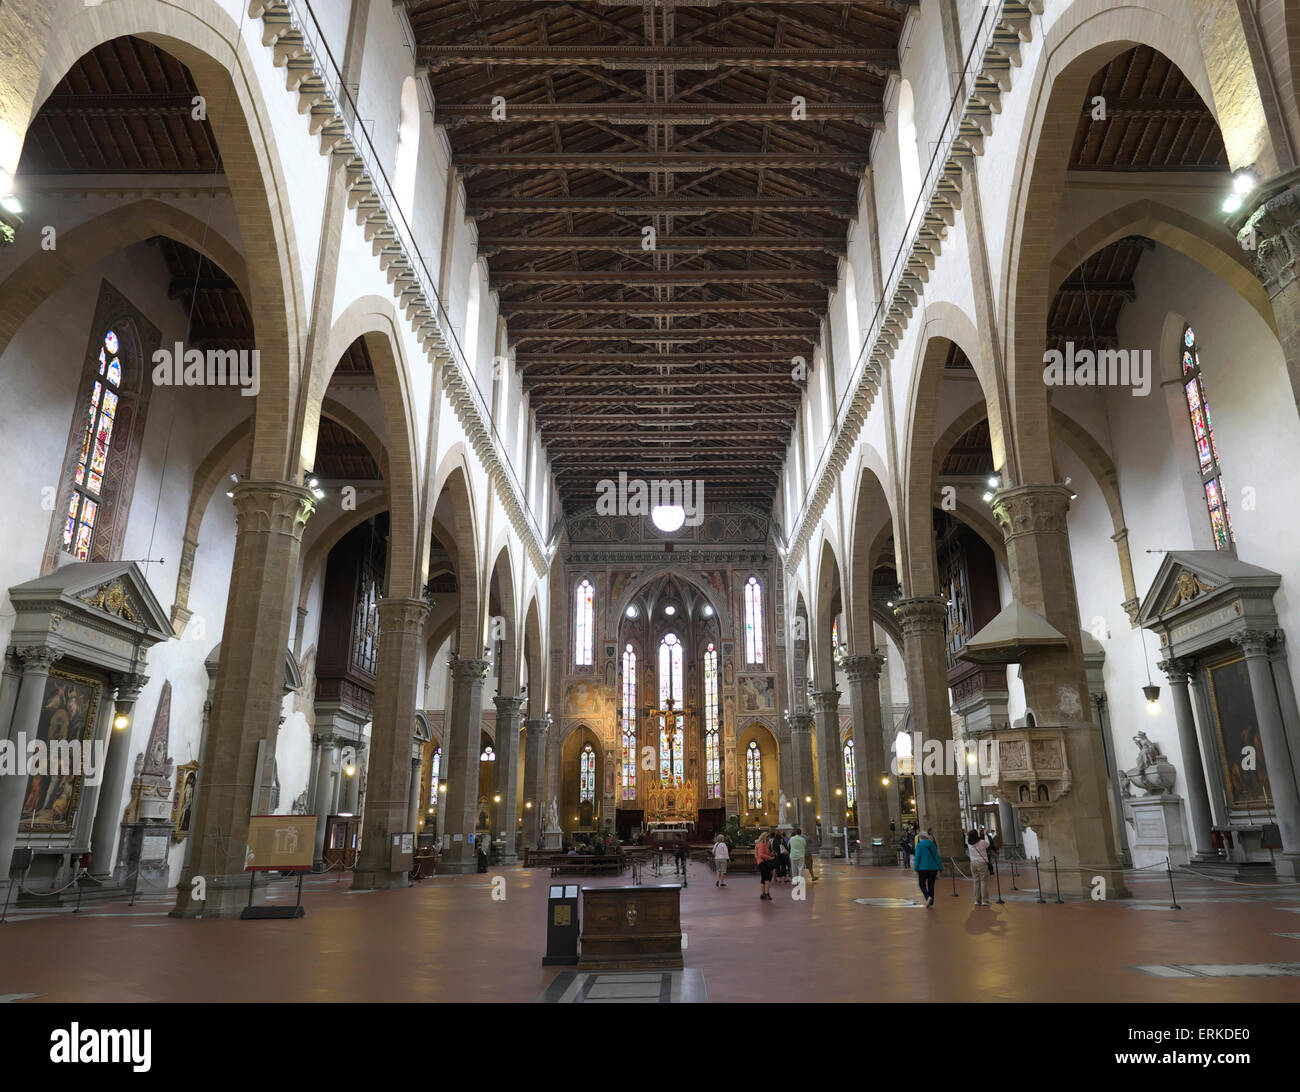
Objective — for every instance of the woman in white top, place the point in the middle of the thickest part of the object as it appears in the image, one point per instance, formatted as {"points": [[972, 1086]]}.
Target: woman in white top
{"points": [[721, 855], [977, 848]]}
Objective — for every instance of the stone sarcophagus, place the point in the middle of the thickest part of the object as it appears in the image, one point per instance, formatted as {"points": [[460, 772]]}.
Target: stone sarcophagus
{"points": [[631, 927]]}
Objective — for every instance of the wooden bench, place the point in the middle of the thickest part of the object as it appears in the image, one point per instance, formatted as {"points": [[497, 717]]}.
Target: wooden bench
{"points": [[540, 858], [588, 865]]}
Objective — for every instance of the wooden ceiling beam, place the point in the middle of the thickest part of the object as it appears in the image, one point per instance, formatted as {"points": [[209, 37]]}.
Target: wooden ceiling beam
{"points": [[668, 244], [654, 308], [638, 205], [657, 162], [867, 114], [665, 277], [677, 336], [879, 62]]}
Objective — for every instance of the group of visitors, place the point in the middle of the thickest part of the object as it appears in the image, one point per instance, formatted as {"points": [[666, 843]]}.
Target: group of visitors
{"points": [[981, 850], [780, 859]]}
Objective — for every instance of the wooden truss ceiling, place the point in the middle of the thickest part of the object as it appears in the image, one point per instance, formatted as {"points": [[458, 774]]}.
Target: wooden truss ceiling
{"points": [[1087, 306], [124, 107], [625, 115], [216, 312], [1154, 120]]}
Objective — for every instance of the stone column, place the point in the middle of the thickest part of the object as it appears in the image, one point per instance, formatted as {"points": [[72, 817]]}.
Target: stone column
{"points": [[1179, 673], [465, 732], [926, 655], [413, 797], [863, 673], [269, 521], [1010, 826], [37, 662], [534, 780], [388, 775], [1112, 764], [509, 711], [10, 680], [801, 768], [1077, 827], [322, 796], [108, 805], [1254, 645], [830, 770]]}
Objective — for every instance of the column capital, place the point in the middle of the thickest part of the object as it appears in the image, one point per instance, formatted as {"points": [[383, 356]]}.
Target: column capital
{"points": [[1031, 509], [863, 668], [128, 684], [509, 706], [1254, 642], [473, 671], [801, 722], [1178, 671], [1272, 232], [535, 726], [280, 508], [826, 701], [402, 615], [922, 615], [38, 657]]}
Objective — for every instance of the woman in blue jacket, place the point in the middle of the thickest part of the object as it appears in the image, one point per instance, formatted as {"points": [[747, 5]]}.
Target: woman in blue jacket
{"points": [[928, 864]]}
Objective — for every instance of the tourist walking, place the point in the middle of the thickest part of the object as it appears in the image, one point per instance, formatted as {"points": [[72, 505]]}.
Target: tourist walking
{"points": [[798, 851], [977, 848], [928, 865], [721, 855], [906, 843], [764, 856], [680, 858]]}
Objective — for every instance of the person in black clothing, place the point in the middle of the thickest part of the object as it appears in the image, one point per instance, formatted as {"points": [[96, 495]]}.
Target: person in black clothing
{"points": [[905, 843], [781, 848], [679, 859]]}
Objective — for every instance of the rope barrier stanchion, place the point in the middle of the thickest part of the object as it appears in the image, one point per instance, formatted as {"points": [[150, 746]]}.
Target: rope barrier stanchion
{"points": [[1013, 875], [1057, 872], [1039, 876], [997, 876], [953, 862], [1173, 895], [78, 877]]}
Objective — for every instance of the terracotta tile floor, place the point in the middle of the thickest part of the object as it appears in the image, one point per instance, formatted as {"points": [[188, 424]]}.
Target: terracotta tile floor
{"points": [[447, 940]]}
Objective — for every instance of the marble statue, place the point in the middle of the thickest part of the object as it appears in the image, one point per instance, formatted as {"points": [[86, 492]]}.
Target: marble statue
{"points": [[553, 815], [783, 811], [1153, 771]]}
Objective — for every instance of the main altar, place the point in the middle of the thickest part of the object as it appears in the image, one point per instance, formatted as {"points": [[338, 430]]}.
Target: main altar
{"points": [[672, 803]]}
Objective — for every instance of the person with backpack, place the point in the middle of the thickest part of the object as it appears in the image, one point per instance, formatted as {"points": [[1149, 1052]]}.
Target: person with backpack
{"points": [[928, 865]]}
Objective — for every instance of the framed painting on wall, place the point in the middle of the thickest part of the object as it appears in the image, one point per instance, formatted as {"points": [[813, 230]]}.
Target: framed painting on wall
{"points": [[757, 693], [68, 712], [1232, 705], [187, 781]]}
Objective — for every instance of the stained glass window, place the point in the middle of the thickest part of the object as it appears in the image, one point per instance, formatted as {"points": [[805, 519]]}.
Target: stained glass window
{"points": [[670, 671], [587, 775], [583, 623], [92, 460], [1207, 451], [712, 762], [488, 755], [629, 723], [850, 776], [672, 748], [753, 777], [753, 621], [435, 772]]}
